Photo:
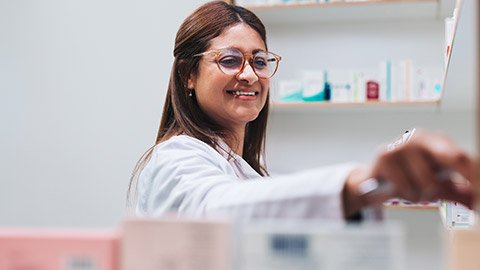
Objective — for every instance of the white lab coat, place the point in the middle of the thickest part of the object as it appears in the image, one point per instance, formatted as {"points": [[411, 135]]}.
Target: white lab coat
{"points": [[187, 176]]}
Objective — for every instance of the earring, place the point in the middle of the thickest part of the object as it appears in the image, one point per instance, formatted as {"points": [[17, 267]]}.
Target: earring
{"points": [[190, 93]]}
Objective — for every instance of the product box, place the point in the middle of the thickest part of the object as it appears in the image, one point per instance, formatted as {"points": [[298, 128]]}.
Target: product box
{"points": [[48, 249], [347, 85], [311, 245], [313, 85], [405, 81], [464, 247], [289, 91], [457, 215], [341, 83], [176, 243], [387, 80]]}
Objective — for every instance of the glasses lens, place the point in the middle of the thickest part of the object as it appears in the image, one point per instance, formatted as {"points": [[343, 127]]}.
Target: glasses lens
{"points": [[230, 61], [265, 64]]}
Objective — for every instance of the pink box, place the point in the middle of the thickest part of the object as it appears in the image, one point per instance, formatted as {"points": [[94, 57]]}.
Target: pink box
{"points": [[48, 249]]}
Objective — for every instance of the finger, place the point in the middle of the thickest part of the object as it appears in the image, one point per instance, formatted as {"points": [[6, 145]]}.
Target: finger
{"points": [[445, 153], [422, 175], [390, 168], [375, 191], [459, 192]]}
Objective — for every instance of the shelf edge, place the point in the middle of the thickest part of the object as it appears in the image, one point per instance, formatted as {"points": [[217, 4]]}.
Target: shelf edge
{"points": [[353, 104], [330, 4]]}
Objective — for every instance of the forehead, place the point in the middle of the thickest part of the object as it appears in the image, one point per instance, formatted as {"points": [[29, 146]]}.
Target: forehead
{"points": [[239, 36]]}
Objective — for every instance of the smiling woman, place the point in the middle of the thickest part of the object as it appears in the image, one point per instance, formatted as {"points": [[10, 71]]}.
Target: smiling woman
{"points": [[212, 135], [232, 99]]}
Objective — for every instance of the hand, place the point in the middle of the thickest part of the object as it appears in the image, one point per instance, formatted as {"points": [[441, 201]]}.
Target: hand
{"points": [[412, 170]]}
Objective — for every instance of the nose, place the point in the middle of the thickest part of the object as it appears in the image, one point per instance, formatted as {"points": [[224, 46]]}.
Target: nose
{"points": [[247, 74]]}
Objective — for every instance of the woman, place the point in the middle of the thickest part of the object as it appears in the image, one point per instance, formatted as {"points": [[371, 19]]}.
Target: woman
{"points": [[207, 159]]}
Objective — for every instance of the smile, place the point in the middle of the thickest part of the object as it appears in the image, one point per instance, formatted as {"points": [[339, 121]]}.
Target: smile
{"points": [[242, 93]]}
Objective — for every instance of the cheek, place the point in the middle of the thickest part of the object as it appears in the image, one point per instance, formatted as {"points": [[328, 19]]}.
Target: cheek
{"points": [[212, 83]]}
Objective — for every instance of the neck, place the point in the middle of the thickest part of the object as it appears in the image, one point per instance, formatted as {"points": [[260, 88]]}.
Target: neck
{"points": [[237, 144]]}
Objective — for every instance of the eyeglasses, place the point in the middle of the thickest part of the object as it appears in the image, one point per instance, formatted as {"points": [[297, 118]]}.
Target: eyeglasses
{"points": [[232, 61]]}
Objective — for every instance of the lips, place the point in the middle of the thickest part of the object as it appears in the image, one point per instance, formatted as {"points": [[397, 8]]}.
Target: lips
{"points": [[243, 93]]}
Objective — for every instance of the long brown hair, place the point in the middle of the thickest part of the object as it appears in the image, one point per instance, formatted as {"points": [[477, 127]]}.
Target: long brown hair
{"points": [[181, 113]]}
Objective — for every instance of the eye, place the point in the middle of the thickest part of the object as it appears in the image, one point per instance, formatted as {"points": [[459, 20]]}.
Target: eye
{"points": [[230, 61], [260, 62]]}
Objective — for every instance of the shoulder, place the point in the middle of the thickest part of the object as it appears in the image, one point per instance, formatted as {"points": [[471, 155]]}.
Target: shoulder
{"points": [[183, 144], [179, 166], [180, 140], [183, 150], [180, 158]]}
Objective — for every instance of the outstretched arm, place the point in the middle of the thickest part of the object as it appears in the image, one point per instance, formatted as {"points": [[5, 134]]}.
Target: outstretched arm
{"points": [[413, 170]]}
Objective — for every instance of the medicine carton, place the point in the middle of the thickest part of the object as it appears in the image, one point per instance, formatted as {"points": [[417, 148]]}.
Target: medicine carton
{"points": [[48, 249]]}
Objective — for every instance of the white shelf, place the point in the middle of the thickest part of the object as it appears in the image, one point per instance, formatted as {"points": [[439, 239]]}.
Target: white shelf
{"points": [[368, 10], [353, 104], [399, 204], [356, 106]]}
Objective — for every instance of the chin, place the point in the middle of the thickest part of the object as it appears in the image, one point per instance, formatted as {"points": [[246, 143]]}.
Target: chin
{"points": [[249, 118], [245, 115]]}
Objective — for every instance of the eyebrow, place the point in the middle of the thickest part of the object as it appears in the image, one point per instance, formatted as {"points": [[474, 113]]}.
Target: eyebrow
{"points": [[238, 49], [257, 50]]}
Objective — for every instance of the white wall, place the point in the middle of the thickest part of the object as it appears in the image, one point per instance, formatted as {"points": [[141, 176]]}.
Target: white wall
{"points": [[82, 86], [83, 83]]}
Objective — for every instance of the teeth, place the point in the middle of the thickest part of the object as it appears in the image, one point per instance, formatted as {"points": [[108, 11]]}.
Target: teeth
{"points": [[243, 93]]}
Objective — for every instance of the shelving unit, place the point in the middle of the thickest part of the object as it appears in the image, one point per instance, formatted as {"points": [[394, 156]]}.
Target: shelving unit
{"points": [[344, 13]]}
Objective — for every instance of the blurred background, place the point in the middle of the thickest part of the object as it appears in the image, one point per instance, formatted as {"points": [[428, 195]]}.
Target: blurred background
{"points": [[82, 87]]}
